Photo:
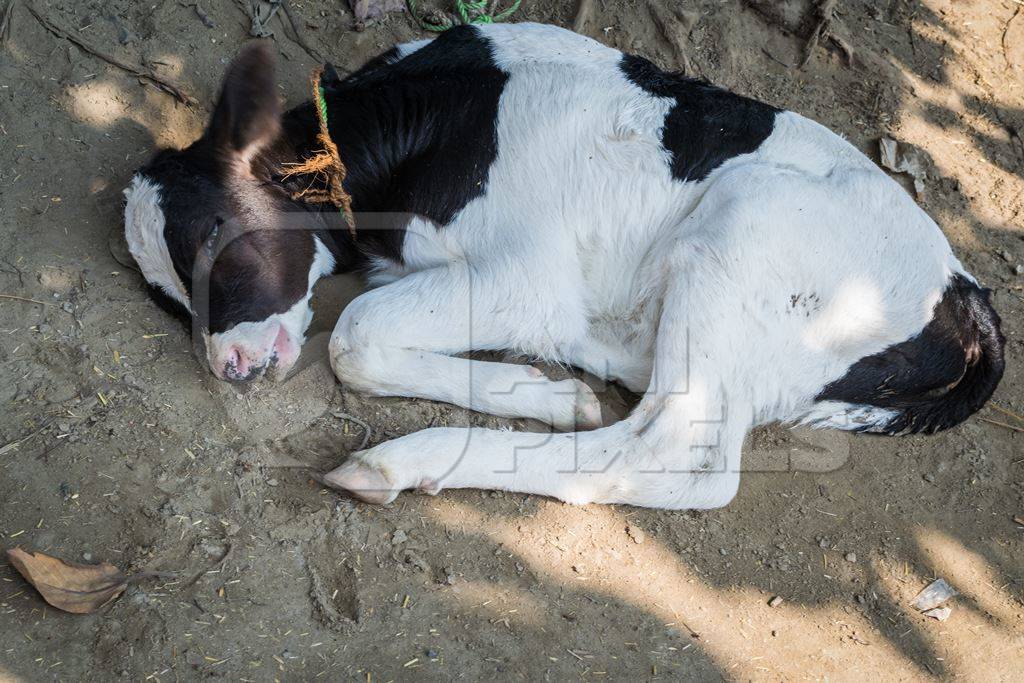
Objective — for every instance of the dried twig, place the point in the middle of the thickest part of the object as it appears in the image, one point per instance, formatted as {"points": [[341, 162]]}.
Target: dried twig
{"points": [[824, 14], [157, 81], [814, 29], [584, 12], [14, 270], [824, 11], [771, 13], [1004, 411], [297, 37], [666, 25], [1006, 56], [262, 12], [352, 418], [14, 445], [5, 22], [21, 298], [134, 578], [201, 13], [212, 568], [1002, 424], [776, 59]]}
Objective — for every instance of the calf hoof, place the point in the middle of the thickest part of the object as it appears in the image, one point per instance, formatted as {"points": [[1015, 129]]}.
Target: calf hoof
{"points": [[362, 482], [586, 413], [588, 408]]}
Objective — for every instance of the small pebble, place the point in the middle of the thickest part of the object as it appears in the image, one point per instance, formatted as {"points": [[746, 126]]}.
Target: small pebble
{"points": [[723, 551], [271, 482], [775, 601], [399, 537], [930, 478], [851, 557], [636, 533]]}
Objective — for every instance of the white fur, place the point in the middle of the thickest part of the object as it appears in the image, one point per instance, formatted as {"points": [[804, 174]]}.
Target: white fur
{"points": [[728, 302], [144, 231]]}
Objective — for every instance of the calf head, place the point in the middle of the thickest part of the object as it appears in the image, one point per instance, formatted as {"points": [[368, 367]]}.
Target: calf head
{"points": [[223, 245]]}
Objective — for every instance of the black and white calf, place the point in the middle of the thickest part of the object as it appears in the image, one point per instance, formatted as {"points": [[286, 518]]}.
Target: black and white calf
{"points": [[522, 187]]}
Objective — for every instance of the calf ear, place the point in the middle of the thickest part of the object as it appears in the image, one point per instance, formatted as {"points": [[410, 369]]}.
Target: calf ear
{"points": [[248, 113], [330, 78]]}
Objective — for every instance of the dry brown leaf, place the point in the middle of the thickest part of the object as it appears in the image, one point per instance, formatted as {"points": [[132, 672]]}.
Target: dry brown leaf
{"points": [[76, 588]]}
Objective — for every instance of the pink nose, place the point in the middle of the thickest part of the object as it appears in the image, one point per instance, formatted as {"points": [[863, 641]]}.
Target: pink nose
{"points": [[237, 366]]}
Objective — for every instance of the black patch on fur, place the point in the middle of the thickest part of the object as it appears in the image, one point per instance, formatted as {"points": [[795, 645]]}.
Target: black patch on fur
{"points": [[248, 112], [257, 271], [938, 378], [255, 274], [169, 305], [191, 198], [417, 135], [707, 125]]}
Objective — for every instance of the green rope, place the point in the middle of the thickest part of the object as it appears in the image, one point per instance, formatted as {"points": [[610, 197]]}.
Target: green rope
{"points": [[468, 12], [325, 164], [479, 7], [321, 102]]}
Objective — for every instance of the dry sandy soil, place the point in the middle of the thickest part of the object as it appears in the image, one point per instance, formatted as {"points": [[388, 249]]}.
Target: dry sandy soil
{"points": [[117, 445]]}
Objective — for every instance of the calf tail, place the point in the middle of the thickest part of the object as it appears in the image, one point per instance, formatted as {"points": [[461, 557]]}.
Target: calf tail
{"points": [[972, 326], [937, 379]]}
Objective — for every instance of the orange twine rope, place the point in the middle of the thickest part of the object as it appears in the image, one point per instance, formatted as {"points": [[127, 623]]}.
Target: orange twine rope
{"points": [[325, 165]]}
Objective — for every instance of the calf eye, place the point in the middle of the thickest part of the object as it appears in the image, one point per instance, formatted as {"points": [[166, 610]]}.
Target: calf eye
{"points": [[211, 242]]}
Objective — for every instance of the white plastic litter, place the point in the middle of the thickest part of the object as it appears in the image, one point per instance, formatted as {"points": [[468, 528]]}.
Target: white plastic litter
{"points": [[936, 593]]}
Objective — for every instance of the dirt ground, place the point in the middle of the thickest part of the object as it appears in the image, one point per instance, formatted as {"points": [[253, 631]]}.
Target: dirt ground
{"points": [[116, 445]]}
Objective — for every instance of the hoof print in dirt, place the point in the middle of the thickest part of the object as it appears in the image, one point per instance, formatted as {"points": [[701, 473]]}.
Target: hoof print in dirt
{"points": [[332, 589]]}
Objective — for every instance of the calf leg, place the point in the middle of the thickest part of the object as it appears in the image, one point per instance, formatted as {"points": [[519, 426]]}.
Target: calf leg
{"points": [[680, 448], [664, 462], [398, 340], [735, 346], [631, 367]]}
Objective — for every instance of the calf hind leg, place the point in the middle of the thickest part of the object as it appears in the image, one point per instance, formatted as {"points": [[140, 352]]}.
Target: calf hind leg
{"points": [[680, 448], [665, 466]]}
